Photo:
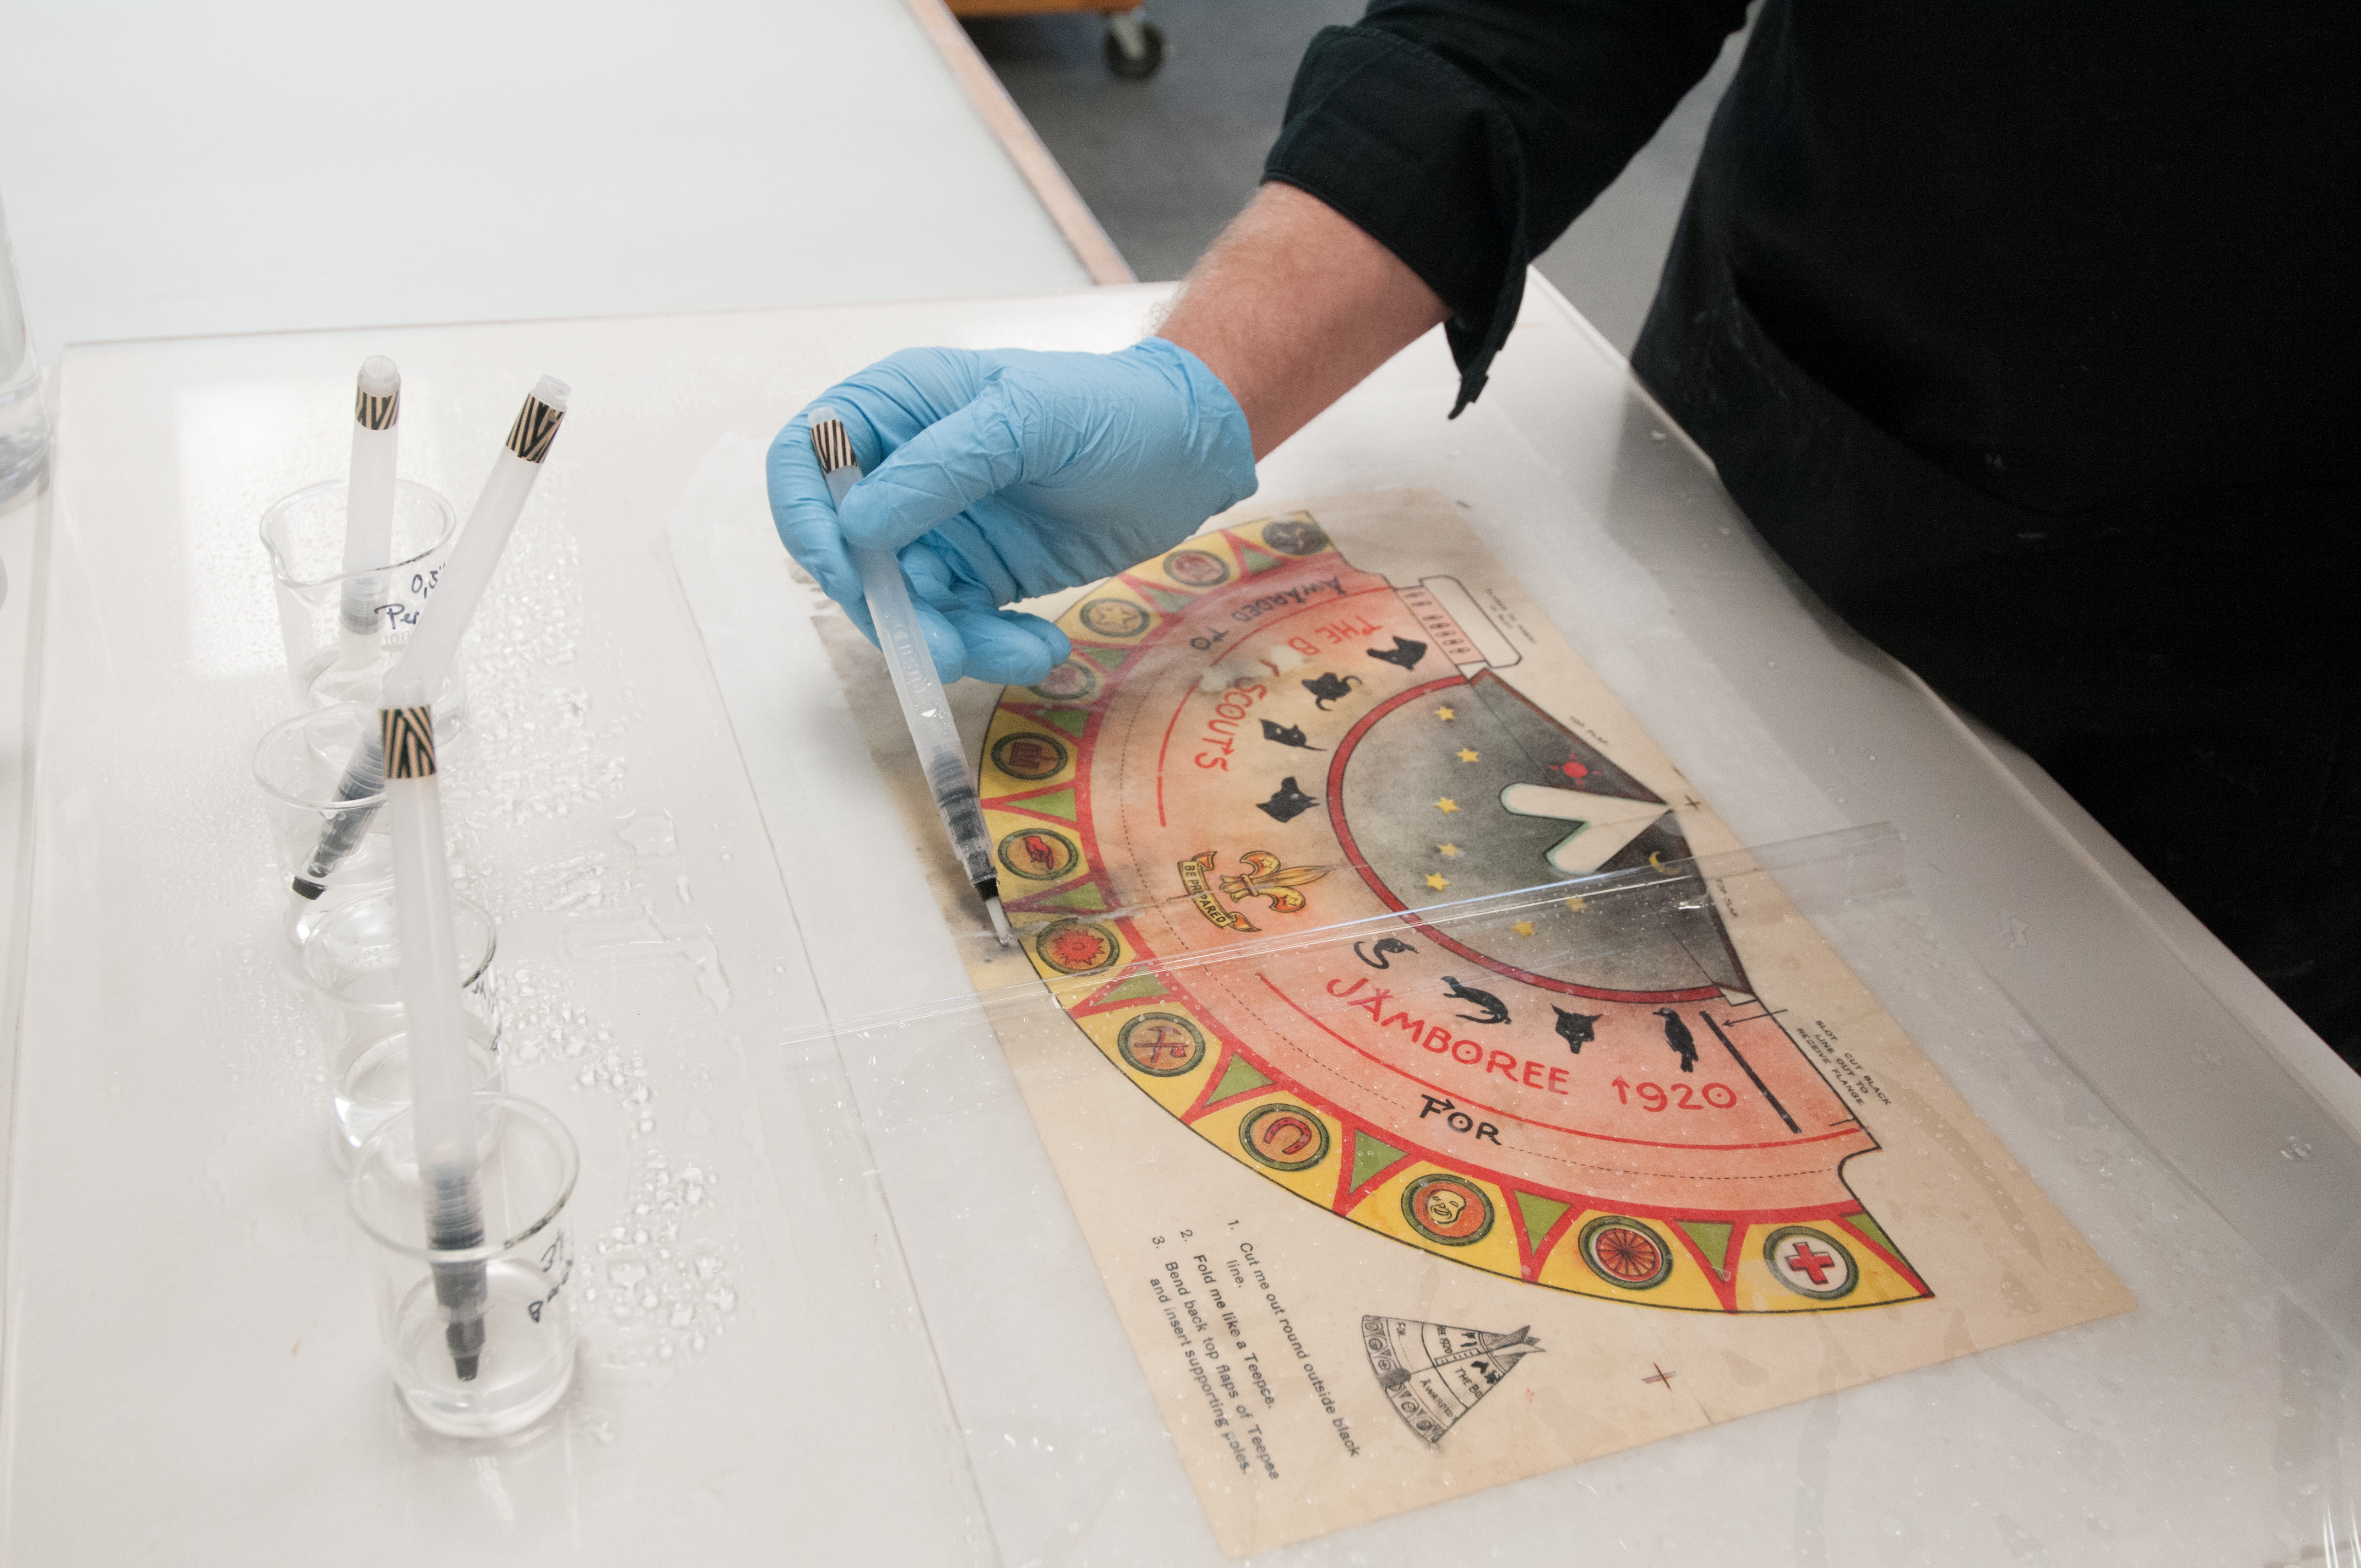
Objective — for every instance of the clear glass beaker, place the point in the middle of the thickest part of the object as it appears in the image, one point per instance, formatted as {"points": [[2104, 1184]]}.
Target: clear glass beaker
{"points": [[325, 830], [24, 412], [304, 534], [523, 1182], [352, 956]]}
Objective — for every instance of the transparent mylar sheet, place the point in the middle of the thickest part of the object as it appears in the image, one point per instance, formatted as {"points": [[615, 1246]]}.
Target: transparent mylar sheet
{"points": [[2212, 1422], [2086, 1439]]}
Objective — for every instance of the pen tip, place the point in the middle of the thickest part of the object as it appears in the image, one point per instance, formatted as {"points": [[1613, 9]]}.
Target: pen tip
{"points": [[1000, 922]]}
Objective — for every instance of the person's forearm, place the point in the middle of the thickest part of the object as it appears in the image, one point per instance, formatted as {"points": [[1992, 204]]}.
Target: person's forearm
{"points": [[1293, 305]]}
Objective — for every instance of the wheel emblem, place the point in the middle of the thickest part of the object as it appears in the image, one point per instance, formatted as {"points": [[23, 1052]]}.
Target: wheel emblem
{"points": [[1625, 1253]]}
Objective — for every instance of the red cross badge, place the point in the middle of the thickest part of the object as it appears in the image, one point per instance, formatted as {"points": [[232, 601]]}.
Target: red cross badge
{"points": [[1811, 1262]]}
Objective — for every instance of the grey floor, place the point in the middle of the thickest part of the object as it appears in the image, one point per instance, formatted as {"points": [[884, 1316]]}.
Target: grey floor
{"points": [[1166, 161]]}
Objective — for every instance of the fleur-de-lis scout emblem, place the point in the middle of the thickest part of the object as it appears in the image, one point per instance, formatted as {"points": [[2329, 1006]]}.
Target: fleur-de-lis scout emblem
{"points": [[1196, 876], [1266, 877]]}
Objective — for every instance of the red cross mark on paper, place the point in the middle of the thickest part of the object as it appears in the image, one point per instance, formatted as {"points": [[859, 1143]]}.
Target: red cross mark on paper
{"points": [[1804, 1260]]}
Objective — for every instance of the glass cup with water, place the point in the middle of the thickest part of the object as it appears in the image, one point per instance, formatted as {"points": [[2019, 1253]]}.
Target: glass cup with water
{"points": [[523, 1180], [303, 534], [353, 959], [323, 820]]}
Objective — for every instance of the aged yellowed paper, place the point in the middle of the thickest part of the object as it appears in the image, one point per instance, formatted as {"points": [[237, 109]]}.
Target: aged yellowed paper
{"points": [[1457, 1200]]}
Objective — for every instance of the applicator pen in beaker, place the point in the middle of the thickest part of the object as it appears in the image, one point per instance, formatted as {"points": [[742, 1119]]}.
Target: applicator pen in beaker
{"points": [[369, 510], [427, 660], [442, 1097]]}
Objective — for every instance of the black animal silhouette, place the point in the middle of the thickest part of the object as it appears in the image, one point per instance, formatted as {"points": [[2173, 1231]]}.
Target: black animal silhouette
{"points": [[1574, 1028], [1326, 689], [1288, 735], [1494, 1010], [1287, 802], [1676, 1035], [1406, 652], [1383, 945]]}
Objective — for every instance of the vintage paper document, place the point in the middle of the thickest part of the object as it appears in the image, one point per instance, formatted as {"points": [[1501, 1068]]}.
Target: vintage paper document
{"points": [[1456, 1201]]}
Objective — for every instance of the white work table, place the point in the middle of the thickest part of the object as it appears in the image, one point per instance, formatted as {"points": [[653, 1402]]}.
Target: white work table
{"points": [[278, 165], [861, 1323]]}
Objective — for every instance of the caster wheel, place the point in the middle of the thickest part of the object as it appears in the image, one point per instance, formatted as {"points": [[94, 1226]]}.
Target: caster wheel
{"points": [[1146, 51]]}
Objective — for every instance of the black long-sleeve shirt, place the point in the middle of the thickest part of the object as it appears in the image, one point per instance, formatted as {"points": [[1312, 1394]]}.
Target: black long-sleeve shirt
{"points": [[2069, 237], [2025, 330]]}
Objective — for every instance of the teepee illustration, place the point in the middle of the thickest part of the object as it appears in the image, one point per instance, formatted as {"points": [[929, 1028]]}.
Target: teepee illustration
{"points": [[1433, 1374]]}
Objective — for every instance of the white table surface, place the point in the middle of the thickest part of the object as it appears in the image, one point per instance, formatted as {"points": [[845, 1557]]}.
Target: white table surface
{"points": [[278, 165], [898, 1347]]}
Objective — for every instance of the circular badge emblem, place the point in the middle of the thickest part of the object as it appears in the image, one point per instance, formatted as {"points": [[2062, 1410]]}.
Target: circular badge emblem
{"points": [[1197, 568], [1039, 855], [1114, 618], [1447, 1208], [1076, 947], [1294, 536], [1069, 682], [1625, 1253], [1162, 1044], [1029, 756], [1811, 1263], [1284, 1136]]}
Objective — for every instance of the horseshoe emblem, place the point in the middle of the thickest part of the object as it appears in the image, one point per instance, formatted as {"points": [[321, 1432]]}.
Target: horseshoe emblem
{"points": [[1283, 1136]]}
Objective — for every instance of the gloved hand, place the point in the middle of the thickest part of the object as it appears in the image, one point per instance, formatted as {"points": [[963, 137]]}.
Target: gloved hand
{"points": [[1003, 474]]}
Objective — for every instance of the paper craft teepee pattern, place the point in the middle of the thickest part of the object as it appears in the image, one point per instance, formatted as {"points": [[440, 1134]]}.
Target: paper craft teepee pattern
{"points": [[1433, 1374]]}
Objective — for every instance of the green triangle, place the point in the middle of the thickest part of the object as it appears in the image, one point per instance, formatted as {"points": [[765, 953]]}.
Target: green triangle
{"points": [[1539, 1215], [1255, 559], [1164, 599], [1873, 1230], [1085, 897], [1371, 1154], [1059, 806], [1109, 659], [1239, 1078], [1712, 1237], [1070, 720], [1142, 987]]}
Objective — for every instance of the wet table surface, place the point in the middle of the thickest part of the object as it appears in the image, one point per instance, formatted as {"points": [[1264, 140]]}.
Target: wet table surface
{"points": [[840, 1306]]}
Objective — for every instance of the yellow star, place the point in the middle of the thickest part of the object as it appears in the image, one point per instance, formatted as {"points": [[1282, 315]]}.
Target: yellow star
{"points": [[1466, 754], [1576, 904], [1446, 848], [1438, 881], [1522, 928], [1445, 715], [1446, 804]]}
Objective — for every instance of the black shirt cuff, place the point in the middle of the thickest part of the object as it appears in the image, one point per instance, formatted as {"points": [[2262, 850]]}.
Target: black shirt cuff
{"points": [[1418, 157]]}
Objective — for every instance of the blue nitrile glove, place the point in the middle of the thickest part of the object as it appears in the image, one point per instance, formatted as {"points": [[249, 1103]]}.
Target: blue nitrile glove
{"points": [[1003, 474]]}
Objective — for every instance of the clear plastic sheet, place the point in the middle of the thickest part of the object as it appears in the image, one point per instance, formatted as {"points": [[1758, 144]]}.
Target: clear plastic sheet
{"points": [[2214, 1422], [1834, 870], [2077, 1444]]}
